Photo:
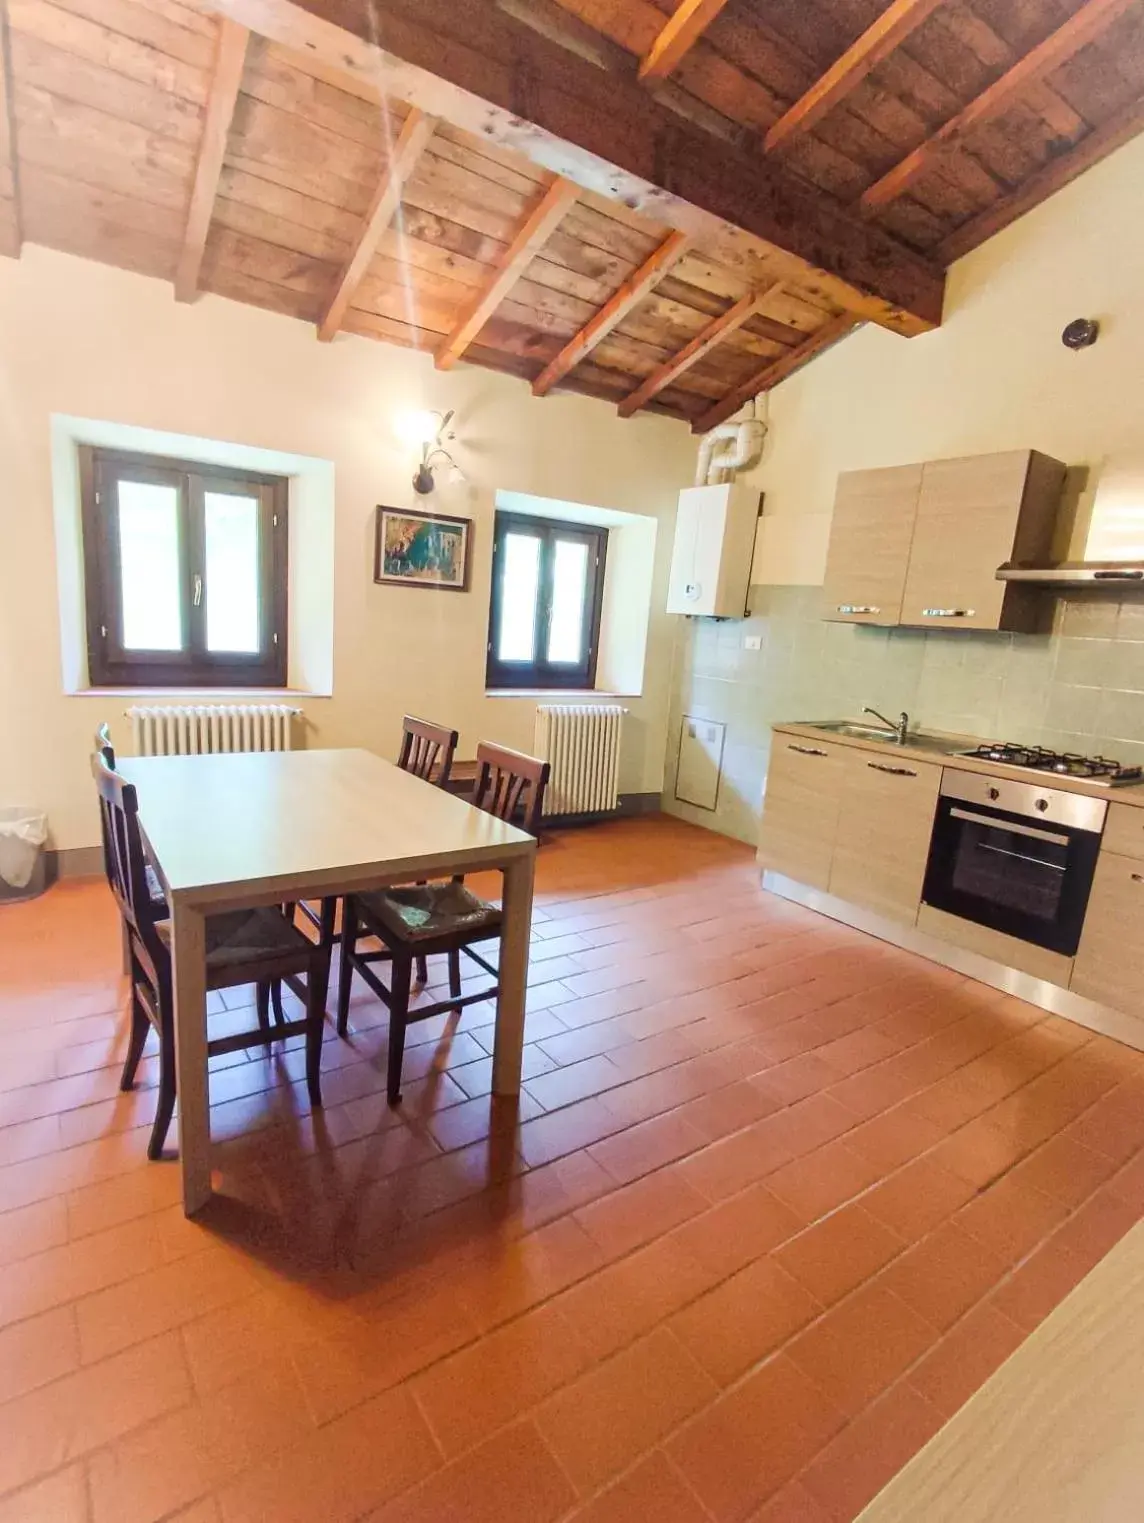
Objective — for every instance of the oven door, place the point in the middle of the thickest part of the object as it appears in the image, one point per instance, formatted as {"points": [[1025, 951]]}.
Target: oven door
{"points": [[1028, 878]]}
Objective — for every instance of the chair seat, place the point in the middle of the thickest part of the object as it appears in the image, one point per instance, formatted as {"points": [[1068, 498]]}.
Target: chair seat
{"points": [[430, 910], [241, 936], [155, 890]]}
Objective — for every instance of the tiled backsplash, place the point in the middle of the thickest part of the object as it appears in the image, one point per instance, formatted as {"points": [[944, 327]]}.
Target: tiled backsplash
{"points": [[1079, 689]]}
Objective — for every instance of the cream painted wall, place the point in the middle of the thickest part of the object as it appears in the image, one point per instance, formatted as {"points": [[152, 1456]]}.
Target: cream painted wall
{"points": [[94, 342], [995, 376]]}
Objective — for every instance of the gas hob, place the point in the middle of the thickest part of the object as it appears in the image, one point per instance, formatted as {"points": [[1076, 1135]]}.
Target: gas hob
{"points": [[1091, 769]]}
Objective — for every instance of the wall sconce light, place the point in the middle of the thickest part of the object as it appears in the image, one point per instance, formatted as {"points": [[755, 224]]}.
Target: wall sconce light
{"points": [[427, 431]]}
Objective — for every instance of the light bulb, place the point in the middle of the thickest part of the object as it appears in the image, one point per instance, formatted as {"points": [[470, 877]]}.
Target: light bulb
{"points": [[416, 427]]}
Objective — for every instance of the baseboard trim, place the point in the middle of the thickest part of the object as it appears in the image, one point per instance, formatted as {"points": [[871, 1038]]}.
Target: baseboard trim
{"points": [[1117, 1024], [75, 862]]}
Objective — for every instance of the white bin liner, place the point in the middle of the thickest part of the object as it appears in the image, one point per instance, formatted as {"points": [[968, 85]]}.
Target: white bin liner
{"points": [[22, 835]]}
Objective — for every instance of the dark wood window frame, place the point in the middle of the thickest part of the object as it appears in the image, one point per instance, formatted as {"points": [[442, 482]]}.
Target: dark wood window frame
{"points": [[109, 663], [541, 673]]}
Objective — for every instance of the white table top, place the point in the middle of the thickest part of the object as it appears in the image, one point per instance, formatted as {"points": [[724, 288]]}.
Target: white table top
{"points": [[282, 818]]}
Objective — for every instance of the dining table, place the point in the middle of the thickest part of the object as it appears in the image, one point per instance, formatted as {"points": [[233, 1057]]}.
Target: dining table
{"points": [[242, 829]]}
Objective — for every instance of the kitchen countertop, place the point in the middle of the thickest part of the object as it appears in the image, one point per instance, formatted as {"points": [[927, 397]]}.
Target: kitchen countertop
{"points": [[1133, 794]]}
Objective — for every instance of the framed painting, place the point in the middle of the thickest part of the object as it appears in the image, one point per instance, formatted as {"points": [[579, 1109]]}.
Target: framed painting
{"points": [[422, 549]]}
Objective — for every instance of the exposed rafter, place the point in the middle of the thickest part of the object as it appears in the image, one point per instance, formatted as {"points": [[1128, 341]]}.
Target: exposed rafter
{"points": [[1085, 26], [1046, 182], [597, 328], [11, 220], [679, 36], [416, 130], [777, 371], [879, 39], [518, 89], [230, 57], [530, 238], [715, 332]]}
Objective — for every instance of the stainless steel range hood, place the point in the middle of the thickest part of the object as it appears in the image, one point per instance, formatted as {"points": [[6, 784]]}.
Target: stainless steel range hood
{"points": [[1074, 573]]}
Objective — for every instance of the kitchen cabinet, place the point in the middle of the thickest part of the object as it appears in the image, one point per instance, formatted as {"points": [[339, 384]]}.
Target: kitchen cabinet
{"points": [[920, 544], [800, 811], [869, 550], [972, 515], [882, 837], [1109, 966]]}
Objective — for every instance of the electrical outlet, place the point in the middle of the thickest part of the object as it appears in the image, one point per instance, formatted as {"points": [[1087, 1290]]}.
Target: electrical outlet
{"points": [[752, 642]]}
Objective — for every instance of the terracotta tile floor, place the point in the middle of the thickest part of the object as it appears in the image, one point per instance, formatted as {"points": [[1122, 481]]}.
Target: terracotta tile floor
{"points": [[777, 1200]]}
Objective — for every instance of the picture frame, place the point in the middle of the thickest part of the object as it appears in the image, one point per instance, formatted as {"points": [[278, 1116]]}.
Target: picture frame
{"points": [[416, 549]]}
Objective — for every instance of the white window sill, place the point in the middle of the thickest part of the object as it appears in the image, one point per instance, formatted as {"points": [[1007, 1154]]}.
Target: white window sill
{"points": [[554, 692]]}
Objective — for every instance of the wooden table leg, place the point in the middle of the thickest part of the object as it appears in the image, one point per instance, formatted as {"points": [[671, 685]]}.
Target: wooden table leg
{"points": [[515, 932], [189, 947]]}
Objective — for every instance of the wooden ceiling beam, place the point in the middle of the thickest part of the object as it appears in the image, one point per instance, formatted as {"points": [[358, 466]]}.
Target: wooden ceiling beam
{"points": [[679, 36], [230, 58], [718, 329], [539, 224], [1053, 176], [1083, 27], [489, 74], [860, 59], [778, 370], [613, 312], [11, 219], [416, 130]]}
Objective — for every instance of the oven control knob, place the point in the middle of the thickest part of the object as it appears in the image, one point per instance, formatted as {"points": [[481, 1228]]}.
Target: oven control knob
{"points": [[994, 793], [1042, 805]]}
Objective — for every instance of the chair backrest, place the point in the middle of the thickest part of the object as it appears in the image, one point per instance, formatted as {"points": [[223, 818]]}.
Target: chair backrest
{"points": [[503, 776], [125, 860], [427, 750]]}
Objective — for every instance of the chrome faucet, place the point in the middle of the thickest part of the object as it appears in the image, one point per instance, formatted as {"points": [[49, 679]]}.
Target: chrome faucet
{"points": [[901, 729]]}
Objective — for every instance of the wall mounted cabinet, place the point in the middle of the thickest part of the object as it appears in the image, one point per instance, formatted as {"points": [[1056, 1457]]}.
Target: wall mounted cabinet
{"points": [[920, 545]]}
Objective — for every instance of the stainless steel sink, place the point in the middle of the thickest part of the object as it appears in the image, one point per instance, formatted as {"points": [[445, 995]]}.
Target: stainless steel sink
{"points": [[922, 740]]}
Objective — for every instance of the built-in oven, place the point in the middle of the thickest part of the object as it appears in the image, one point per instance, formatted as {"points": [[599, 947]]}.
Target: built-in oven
{"points": [[1014, 856]]}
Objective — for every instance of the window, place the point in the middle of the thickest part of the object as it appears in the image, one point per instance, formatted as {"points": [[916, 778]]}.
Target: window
{"points": [[184, 573], [548, 582]]}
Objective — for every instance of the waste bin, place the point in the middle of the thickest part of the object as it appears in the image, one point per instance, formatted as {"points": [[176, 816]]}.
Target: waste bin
{"points": [[22, 861]]}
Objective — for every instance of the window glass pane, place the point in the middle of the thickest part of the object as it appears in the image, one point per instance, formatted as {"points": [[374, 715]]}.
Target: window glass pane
{"points": [[569, 583], [149, 565], [230, 531], [520, 579]]}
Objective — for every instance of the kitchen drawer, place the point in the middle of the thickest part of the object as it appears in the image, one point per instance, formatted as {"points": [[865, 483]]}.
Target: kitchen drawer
{"points": [[800, 808], [1109, 963], [1124, 831], [883, 836]]}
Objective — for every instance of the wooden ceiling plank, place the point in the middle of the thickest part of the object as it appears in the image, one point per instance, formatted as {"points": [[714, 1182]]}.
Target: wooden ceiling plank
{"points": [[772, 374], [11, 218], [633, 290], [679, 35], [1083, 27], [529, 239], [230, 57], [860, 59], [495, 77], [702, 344], [416, 130], [1056, 174]]}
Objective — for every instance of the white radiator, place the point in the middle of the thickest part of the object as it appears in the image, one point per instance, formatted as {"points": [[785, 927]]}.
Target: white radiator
{"points": [[581, 742], [187, 730]]}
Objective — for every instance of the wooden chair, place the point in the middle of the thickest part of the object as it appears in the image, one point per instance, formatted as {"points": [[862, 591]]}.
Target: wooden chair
{"points": [[242, 946], [432, 918], [104, 749], [427, 752]]}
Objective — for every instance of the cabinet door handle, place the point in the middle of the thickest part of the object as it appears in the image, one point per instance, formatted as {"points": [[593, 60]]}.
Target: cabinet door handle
{"points": [[807, 750], [893, 771], [1138, 877], [948, 613], [858, 608]]}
